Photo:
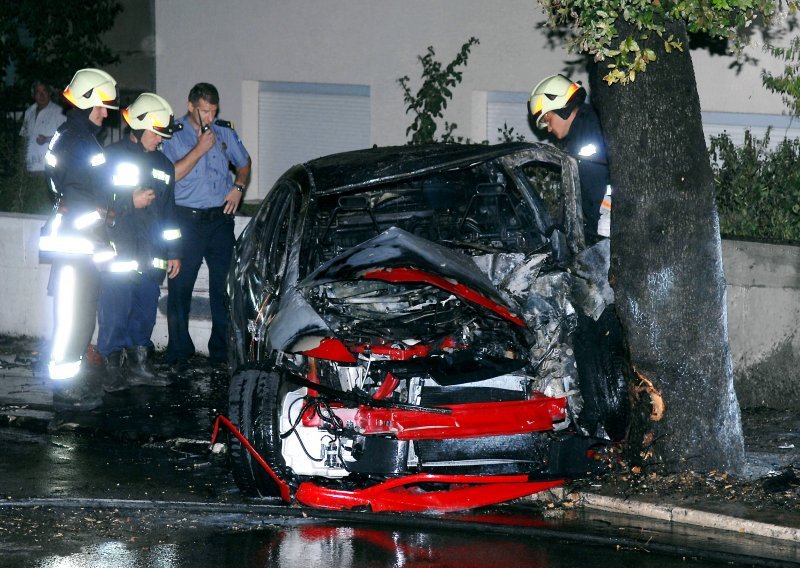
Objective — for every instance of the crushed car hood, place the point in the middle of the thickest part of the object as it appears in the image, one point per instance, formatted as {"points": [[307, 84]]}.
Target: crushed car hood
{"points": [[393, 256], [434, 264]]}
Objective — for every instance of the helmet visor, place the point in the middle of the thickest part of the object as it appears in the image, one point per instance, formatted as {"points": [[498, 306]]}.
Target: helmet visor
{"points": [[166, 130], [535, 106], [109, 99]]}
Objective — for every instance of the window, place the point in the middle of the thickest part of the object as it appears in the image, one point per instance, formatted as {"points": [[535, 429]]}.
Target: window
{"points": [[478, 209], [276, 222], [302, 121], [506, 110], [734, 124], [267, 241], [544, 181]]}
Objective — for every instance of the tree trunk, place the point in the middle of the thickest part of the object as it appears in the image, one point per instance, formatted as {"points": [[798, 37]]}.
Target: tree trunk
{"points": [[666, 265]]}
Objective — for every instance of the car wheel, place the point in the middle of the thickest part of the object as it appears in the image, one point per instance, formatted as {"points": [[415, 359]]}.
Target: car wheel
{"points": [[254, 406], [602, 371]]}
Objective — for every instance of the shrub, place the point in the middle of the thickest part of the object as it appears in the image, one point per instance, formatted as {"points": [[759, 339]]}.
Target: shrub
{"points": [[20, 192], [428, 103], [758, 188]]}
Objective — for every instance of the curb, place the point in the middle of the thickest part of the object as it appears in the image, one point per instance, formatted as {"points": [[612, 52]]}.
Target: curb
{"points": [[673, 514]]}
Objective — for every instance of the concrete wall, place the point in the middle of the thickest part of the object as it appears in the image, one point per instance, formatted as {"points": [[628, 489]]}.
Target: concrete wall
{"points": [[364, 42], [763, 322], [26, 309], [763, 308]]}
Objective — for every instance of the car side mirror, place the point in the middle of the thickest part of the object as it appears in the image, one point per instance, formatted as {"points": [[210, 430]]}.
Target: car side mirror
{"points": [[558, 245]]}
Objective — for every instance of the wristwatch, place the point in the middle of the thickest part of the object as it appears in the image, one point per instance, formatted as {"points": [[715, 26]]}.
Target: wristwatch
{"points": [[239, 187]]}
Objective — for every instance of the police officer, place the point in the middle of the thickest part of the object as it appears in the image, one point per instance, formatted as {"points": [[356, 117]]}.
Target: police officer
{"points": [[147, 242], [74, 237], [558, 105], [206, 199]]}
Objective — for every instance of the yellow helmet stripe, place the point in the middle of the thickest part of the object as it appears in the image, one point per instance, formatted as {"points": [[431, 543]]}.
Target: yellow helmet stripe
{"points": [[537, 105], [573, 88], [105, 97]]}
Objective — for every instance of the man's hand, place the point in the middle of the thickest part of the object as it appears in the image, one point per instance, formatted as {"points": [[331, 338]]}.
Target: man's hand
{"points": [[205, 141], [232, 201], [143, 198], [173, 267]]}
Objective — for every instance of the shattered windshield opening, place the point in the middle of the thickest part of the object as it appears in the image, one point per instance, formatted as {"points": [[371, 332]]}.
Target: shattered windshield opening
{"points": [[544, 179], [478, 210]]}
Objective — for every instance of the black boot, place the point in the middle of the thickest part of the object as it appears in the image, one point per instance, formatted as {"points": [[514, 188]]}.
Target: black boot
{"points": [[79, 394], [115, 379], [141, 373]]}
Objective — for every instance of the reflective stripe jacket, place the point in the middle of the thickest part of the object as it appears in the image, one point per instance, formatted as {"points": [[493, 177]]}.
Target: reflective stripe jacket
{"points": [[585, 143], [75, 165], [149, 236]]}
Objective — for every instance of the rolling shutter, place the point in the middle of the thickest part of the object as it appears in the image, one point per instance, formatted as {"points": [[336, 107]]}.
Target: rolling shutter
{"points": [[301, 121], [510, 109]]}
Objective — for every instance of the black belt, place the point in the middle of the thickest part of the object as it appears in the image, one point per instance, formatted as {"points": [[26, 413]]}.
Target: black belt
{"points": [[202, 214]]}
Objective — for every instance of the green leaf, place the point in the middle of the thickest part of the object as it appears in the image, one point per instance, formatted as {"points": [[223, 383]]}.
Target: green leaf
{"points": [[433, 95]]}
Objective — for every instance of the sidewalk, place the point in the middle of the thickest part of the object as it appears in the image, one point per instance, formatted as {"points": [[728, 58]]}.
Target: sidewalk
{"points": [[184, 410], [759, 507]]}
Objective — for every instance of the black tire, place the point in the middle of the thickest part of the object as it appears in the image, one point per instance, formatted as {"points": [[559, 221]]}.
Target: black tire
{"points": [[254, 407], [602, 371]]}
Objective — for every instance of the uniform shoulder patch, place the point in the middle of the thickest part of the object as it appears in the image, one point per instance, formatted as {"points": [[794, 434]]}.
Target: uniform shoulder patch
{"points": [[224, 123]]}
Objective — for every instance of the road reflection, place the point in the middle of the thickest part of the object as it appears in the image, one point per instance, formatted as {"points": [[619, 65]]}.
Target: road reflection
{"points": [[315, 545]]}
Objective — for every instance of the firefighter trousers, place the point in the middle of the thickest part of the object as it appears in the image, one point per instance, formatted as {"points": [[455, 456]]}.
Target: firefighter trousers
{"points": [[126, 311]]}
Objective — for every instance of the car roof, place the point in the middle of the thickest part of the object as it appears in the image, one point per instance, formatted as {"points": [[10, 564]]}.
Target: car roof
{"points": [[339, 172]]}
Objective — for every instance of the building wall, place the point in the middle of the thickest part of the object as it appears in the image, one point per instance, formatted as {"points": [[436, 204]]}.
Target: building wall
{"points": [[763, 308], [133, 39], [364, 42]]}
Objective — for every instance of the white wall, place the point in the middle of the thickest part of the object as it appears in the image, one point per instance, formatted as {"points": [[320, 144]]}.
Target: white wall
{"points": [[367, 42], [25, 307]]}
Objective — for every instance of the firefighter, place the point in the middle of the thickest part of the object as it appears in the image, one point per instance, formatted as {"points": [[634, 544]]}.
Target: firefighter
{"points": [[74, 238], [558, 105], [147, 242]]}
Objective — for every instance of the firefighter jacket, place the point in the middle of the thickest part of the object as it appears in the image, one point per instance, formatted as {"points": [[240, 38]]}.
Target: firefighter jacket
{"points": [[586, 144], [75, 165], [145, 238]]}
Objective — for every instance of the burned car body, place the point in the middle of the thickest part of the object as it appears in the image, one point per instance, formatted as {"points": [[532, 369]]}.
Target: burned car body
{"points": [[421, 328]]}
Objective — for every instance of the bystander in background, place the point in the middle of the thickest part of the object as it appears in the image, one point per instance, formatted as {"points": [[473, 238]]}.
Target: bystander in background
{"points": [[41, 120]]}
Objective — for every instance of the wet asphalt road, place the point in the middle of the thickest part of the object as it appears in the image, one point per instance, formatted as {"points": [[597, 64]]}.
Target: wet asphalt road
{"points": [[136, 484], [187, 540]]}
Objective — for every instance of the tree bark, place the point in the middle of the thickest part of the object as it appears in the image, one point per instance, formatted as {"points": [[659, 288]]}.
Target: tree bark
{"points": [[666, 264]]}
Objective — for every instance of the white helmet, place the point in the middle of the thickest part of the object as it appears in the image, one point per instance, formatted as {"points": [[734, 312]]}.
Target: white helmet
{"points": [[150, 112], [553, 94], [92, 88]]}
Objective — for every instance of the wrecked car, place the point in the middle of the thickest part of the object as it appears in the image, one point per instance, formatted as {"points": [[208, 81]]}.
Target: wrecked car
{"points": [[421, 328]]}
